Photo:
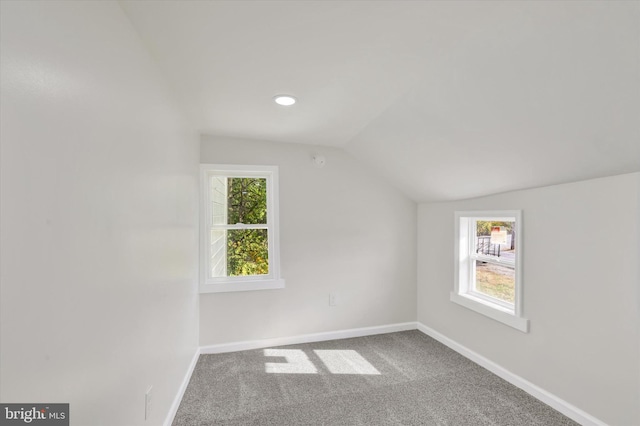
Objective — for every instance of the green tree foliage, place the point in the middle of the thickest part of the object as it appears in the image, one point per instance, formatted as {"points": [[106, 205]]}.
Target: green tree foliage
{"points": [[247, 249]]}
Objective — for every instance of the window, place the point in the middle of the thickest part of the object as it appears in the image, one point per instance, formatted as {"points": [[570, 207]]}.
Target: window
{"points": [[239, 228], [488, 276]]}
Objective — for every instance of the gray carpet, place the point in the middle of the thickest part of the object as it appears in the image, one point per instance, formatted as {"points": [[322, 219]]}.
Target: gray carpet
{"points": [[404, 378]]}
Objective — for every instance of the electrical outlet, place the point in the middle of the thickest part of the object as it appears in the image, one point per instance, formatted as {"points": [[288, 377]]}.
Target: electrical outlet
{"points": [[147, 403], [333, 299]]}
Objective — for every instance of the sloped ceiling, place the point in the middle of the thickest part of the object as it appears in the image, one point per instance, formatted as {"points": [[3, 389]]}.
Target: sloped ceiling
{"points": [[448, 100]]}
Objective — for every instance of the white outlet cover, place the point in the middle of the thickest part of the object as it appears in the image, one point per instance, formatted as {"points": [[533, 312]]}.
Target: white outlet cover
{"points": [[147, 403], [333, 299]]}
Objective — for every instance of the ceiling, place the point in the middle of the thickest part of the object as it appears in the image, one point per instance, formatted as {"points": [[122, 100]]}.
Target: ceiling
{"points": [[448, 100]]}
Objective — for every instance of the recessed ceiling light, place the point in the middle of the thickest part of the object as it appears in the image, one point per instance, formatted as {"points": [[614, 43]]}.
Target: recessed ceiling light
{"points": [[284, 100]]}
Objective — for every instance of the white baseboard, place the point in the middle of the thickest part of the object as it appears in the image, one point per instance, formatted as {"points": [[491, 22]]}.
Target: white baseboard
{"points": [[306, 338], [548, 398], [183, 387]]}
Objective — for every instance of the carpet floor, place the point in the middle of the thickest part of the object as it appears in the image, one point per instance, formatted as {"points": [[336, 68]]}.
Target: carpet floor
{"points": [[404, 378]]}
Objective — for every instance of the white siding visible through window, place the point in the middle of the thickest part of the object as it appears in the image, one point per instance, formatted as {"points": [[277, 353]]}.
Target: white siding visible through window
{"points": [[218, 246]]}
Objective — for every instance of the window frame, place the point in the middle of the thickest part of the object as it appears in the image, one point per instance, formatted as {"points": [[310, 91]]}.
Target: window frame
{"points": [[465, 259], [272, 280]]}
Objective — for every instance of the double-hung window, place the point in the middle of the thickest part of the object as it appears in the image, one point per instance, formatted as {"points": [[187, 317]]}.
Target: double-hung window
{"points": [[239, 228], [488, 276]]}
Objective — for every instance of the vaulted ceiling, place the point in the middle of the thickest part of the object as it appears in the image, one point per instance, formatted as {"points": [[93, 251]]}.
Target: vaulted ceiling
{"points": [[448, 100]]}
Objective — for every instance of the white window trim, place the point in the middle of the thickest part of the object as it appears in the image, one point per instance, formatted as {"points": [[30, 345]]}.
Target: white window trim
{"points": [[273, 280], [503, 312]]}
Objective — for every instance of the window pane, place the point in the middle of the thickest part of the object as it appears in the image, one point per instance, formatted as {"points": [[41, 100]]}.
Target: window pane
{"points": [[246, 200], [494, 238], [496, 281], [247, 252]]}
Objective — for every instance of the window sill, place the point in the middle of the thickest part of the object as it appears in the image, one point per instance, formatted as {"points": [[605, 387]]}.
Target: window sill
{"points": [[225, 287], [492, 311]]}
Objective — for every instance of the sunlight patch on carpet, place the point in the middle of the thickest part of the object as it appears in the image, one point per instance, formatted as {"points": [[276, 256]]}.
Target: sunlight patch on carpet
{"points": [[336, 361], [297, 362], [345, 362]]}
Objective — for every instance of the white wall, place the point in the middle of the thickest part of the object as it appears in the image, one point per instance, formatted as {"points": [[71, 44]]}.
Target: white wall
{"points": [[580, 292], [342, 230], [99, 217]]}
